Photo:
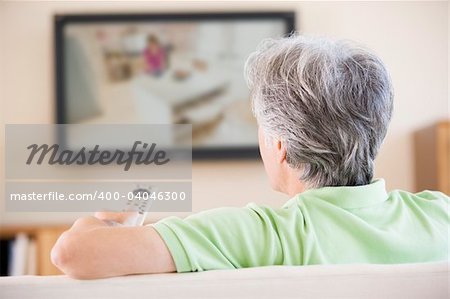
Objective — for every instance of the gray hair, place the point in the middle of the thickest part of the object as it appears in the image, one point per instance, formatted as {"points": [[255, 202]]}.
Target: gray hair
{"points": [[328, 101]]}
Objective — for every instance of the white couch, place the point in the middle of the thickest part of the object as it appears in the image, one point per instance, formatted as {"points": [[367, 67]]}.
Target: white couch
{"points": [[322, 281]]}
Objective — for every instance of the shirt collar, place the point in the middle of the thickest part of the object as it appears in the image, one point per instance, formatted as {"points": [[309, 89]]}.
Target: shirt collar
{"points": [[350, 197]]}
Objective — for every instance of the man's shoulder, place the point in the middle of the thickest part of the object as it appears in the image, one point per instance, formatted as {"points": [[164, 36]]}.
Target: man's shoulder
{"points": [[428, 200], [422, 195]]}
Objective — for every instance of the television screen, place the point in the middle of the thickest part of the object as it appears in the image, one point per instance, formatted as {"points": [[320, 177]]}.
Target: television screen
{"points": [[164, 69]]}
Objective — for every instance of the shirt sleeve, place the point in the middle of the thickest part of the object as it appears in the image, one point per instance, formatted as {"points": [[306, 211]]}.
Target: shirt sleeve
{"points": [[231, 238]]}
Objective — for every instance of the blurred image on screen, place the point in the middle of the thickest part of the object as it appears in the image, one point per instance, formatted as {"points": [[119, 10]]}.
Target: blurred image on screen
{"points": [[166, 73]]}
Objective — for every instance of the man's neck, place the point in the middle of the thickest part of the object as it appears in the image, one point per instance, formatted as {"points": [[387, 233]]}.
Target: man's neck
{"points": [[292, 184]]}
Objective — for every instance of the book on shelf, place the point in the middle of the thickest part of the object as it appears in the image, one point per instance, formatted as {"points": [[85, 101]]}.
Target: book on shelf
{"points": [[4, 256], [19, 255], [32, 258]]}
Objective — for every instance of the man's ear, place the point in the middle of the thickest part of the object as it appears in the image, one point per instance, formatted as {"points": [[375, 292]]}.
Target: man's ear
{"points": [[281, 151]]}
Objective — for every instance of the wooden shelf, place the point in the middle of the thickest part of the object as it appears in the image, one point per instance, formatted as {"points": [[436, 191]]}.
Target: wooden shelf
{"points": [[432, 157], [45, 237]]}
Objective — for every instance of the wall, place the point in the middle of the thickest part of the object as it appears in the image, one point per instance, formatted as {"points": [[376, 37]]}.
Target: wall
{"points": [[411, 37]]}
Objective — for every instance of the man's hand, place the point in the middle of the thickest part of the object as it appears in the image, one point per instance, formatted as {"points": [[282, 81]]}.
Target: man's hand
{"points": [[115, 217], [92, 249], [87, 223]]}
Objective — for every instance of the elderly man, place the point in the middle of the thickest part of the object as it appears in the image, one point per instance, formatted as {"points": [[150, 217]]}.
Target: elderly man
{"points": [[323, 108]]}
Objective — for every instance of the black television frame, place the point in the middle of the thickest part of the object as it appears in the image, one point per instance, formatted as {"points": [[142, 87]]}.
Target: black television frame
{"points": [[61, 20]]}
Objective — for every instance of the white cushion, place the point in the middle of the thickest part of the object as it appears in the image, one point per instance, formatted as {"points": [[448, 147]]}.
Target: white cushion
{"points": [[429, 280]]}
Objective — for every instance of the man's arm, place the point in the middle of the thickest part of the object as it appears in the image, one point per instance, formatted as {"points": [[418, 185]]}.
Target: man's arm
{"points": [[92, 249]]}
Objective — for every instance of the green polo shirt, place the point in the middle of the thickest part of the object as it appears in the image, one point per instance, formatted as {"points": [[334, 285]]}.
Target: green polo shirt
{"points": [[331, 225]]}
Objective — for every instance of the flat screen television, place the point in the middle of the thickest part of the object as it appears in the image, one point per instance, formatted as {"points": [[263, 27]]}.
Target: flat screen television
{"points": [[164, 69]]}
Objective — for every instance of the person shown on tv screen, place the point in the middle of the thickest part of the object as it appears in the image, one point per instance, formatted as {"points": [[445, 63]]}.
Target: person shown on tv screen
{"points": [[323, 108], [155, 56]]}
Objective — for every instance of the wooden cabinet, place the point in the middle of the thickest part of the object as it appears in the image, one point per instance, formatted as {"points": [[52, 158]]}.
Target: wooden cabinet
{"points": [[432, 157], [45, 237]]}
